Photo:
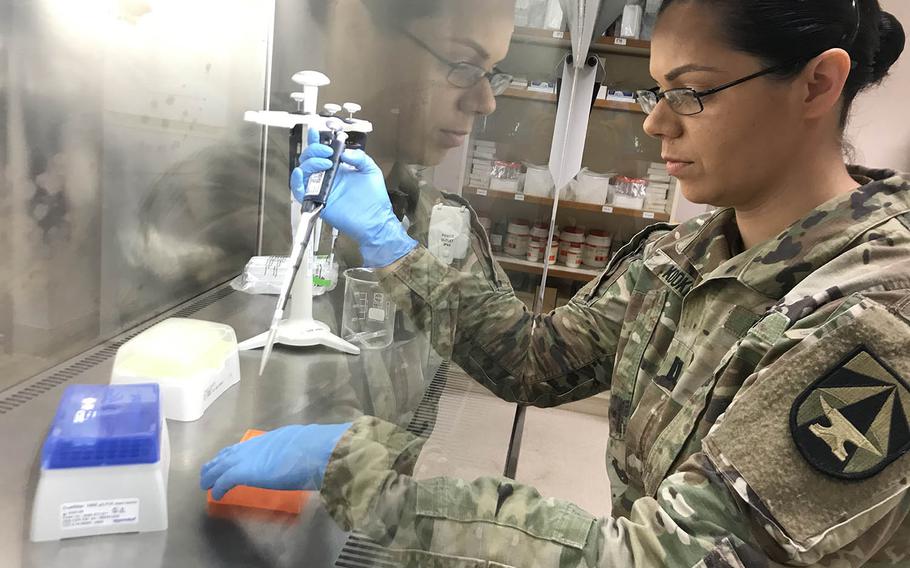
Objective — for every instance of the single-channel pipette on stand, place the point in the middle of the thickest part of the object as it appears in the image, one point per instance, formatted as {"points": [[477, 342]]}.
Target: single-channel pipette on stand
{"points": [[294, 312]]}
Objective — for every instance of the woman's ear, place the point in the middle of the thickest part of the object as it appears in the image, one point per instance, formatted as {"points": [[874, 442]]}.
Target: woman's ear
{"points": [[824, 79]]}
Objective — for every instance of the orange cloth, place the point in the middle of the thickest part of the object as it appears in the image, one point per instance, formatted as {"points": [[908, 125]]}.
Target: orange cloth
{"points": [[290, 502]]}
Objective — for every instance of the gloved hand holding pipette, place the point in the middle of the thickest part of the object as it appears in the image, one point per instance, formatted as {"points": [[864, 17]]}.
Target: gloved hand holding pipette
{"points": [[359, 204]]}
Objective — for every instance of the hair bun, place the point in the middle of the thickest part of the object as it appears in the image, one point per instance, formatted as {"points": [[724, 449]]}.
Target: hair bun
{"points": [[892, 40]]}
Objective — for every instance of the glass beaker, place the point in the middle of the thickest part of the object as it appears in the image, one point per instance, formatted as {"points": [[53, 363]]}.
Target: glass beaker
{"points": [[368, 317]]}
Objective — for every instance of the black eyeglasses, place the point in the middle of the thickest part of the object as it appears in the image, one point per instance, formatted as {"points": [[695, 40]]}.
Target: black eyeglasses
{"points": [[851, 39], [687, 101], [465, 75]]}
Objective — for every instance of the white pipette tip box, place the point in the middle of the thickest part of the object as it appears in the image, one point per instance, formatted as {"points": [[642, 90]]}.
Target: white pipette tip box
{"points": [[104, 464], [193, 361]]}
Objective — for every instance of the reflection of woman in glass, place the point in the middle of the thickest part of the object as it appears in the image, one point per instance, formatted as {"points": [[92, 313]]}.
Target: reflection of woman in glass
{"points": [[424, 72], [756, 357]]}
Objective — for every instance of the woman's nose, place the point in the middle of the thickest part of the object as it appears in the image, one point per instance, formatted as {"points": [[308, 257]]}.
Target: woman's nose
{"points": [[663, 122], [478, 99]]}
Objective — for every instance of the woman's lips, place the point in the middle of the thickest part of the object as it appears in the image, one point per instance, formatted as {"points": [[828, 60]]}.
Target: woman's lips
{"points": [[453, 138], [676, 167]]}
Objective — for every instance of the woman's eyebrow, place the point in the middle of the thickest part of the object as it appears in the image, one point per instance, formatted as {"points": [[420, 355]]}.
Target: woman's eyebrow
{"points": [[688, 68], [473, 45]]}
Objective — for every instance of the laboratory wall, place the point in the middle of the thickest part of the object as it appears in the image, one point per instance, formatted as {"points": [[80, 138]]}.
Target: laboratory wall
{"points": [[130, 182], [880, 126]]}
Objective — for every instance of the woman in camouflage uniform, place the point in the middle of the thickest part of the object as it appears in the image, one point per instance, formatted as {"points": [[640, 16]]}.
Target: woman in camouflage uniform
{"points": [[757, 356], [421, 110]]}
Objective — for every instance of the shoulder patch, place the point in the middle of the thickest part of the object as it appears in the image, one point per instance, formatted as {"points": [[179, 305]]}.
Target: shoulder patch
{"points": [[854, 421], [809, 495]]}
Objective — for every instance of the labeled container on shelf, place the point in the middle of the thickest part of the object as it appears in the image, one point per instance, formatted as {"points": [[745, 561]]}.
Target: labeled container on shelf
{"points": [[657, 196], [573, 255], [537, 247], [538, 181], [482, 163], [554, 251], [567, 237], [506, 176], [631, 21], [518, 238], [596, 250], [591, 187], [540, 232], [504, 185], [536, 251], [629, 193]]}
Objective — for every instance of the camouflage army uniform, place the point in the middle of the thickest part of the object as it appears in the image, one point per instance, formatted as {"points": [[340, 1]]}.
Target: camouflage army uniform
{"points": [[395, 378], [726, 368]]}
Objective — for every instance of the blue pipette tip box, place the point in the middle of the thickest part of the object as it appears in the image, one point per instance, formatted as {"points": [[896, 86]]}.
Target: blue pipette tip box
{"points": [[104, 425]]}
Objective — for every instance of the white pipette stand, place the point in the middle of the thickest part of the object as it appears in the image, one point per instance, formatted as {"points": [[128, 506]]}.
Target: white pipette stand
{"points": [[300, 329]]}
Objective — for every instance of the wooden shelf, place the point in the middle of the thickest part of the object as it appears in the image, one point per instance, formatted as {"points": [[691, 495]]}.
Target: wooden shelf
{"points": [[555, 270], [513, 93], [525, 94], [621, 46], [564, 204], [633, 46], [532, 35], [617, 105]]}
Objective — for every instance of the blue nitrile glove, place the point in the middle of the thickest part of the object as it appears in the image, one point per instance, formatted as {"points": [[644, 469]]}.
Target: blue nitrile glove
{"points": [[359, 204], [290, 458]]}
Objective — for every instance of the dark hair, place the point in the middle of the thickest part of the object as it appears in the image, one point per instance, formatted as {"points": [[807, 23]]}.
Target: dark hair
{"points": [[789, 33]]}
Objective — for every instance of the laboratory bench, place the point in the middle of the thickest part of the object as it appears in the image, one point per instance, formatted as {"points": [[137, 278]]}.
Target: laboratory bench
{"points": [[309, 385]]}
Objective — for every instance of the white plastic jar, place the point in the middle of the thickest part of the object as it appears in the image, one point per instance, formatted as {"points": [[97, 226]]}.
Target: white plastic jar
{"points": [[535, 251], [596, 250], [537, 248], [573, 255], [540, 231], [568, 237], [518, 238], [554, 251]]}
